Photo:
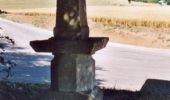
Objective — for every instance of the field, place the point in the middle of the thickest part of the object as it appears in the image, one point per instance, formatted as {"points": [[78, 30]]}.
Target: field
{"points": [[138, 24], [148, 16], [25, 4]]}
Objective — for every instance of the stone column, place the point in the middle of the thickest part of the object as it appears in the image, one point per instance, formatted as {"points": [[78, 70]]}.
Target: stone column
{"points": [[71, 20], [83, 19], [73, 68], [67, 19]]}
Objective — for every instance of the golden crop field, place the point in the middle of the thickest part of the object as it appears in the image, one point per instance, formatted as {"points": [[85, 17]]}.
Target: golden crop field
{"points": [[146, 16], [25, 4]]}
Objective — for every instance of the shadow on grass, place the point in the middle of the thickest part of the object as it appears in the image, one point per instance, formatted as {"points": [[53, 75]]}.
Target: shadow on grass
{"points": [[30, 67], [113, 94]]}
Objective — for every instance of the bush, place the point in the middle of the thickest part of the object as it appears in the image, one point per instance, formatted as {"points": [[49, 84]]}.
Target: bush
{"points": [[168, 2], [5, 64], [2, 12]]}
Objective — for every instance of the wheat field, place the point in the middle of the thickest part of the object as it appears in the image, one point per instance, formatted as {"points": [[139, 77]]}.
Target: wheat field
{"points": [[146, 16], [153, 16]]}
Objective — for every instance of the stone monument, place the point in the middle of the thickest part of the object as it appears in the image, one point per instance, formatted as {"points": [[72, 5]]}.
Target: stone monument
{"points": [[72, 68]]}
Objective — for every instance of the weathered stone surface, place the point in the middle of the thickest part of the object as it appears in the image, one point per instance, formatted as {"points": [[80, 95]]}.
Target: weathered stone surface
{"points": [[73, 68], [83, 20], [155, 90], [89, 46], [71, 20], [67, 19], [97, 93], [73, 72]]}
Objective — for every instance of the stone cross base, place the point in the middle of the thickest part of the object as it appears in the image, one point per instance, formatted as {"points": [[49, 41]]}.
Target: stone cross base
{"points": [[73, 68], [72, 72]]}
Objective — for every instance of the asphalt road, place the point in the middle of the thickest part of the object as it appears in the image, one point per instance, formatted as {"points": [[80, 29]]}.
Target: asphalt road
{"points": [[117, 66]]}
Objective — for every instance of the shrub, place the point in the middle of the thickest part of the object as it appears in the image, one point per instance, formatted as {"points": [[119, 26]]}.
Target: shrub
{"points": [[168, 2], [5, 64]]}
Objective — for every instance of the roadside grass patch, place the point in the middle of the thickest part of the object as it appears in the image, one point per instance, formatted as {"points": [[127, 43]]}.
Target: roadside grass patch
{"points": [[28, 91]]}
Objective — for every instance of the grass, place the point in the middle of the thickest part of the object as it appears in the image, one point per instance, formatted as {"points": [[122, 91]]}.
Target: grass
{"points": [[20, 91], [113, 94], [146, 16], [26, 91], [128, 16], [131, 22]]}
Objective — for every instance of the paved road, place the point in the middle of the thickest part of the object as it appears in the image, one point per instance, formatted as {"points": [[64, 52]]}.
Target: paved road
{"points": [[118, 65], [23, 33]]}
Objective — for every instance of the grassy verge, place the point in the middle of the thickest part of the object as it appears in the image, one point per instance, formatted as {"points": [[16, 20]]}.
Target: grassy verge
{"points": [[113, 94], [27, 91], [20, 91]]}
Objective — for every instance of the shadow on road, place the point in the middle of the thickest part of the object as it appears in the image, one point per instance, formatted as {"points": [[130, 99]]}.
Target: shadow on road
{"points": [[30, 67]]}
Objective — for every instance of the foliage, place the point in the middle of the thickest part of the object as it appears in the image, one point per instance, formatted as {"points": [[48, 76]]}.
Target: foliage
{"points": [[2, 12], [168, 2], [5, 64], [21, 91]]}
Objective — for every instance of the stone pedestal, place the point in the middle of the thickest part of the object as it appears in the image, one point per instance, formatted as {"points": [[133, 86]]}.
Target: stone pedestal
{"points": [[74, 72], [73, 68]]}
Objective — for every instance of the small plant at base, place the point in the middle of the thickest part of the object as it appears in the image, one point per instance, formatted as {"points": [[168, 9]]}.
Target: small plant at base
{"points": [[6, 65]]}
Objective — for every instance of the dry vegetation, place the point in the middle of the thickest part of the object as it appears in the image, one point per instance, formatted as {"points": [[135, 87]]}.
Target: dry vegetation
{"points": [[131, 22], [42, 20], [146, 16]]}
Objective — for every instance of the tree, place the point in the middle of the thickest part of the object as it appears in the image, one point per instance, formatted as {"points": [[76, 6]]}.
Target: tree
{"points": [[168, 2]]}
